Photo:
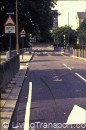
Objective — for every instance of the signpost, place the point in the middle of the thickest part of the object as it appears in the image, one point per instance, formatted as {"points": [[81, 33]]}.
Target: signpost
{"points": [[9, 28], [22, 35], [0, 51]]}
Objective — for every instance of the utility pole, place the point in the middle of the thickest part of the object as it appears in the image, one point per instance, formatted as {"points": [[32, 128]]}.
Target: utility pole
{"points": [[68, 30], [17, 34]]}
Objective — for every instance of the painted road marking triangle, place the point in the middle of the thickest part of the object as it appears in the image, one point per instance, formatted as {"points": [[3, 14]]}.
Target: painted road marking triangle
{"points": [[77, 116]]}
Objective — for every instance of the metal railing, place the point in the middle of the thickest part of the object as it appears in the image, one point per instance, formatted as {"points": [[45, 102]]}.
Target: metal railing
{"points": [[7, 71]]}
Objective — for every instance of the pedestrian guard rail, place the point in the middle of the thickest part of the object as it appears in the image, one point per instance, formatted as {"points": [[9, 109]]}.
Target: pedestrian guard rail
{"points": [[13, 53], [7, 71], [22, 50]]}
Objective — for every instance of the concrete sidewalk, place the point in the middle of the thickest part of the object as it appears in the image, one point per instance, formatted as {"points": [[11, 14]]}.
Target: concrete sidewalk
{"points": [[9, 99], [71, 55], [78, 57], [24, 58]]}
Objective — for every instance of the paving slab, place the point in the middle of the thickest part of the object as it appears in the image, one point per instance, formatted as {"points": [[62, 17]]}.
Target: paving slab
{"points": [[26, 57]]}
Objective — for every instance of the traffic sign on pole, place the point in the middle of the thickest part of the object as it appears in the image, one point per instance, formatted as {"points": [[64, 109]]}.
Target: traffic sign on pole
{"points": [[9, 25], [9, 28], [22, 33]]}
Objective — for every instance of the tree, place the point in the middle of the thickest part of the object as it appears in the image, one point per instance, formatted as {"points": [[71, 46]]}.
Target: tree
{"points": [[34, 16], [60, 35]]}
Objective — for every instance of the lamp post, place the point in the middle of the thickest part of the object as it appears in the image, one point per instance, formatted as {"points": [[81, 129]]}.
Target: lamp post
{"points": [[17, 35]]}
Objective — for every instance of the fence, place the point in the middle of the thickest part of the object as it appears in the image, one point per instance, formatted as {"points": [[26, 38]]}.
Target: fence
{"points": [[71, 51], [7, 71], [79, 53], [22, 51]]}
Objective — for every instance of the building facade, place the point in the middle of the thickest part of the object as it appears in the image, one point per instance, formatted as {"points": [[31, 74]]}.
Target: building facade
{"points": [[81, 16], [55, 19]]}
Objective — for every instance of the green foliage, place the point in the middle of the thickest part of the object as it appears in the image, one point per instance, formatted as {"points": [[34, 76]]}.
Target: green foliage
{"points": [[35, 16], [82, 32], [64, 34]]}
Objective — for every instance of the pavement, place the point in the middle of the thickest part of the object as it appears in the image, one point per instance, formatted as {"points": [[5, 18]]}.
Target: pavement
{"points": [[9, 99], [71, 55], [79, 57]]}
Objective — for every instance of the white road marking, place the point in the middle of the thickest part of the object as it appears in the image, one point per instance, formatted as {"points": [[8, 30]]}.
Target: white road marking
{"points": [[77, 116], [27, 64], [80, 76], [76, 73], [48, 54], [27, 113], [62, 53], [45, 52], [55, 76], [54, 73], [59, 80], [67, 67], [38, 52]]}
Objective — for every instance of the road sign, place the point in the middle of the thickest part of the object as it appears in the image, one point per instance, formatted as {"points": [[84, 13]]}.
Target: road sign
{"points": [[9, 29], [10, 13], [9, 22], [22, 33], [9, 25]]}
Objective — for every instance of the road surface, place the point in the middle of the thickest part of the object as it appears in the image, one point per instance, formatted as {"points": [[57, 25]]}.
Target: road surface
{"points": [[56, 96]]}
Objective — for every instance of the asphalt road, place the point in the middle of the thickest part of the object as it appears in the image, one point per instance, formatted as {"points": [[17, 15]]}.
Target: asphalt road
{"points": [[58, 93]]}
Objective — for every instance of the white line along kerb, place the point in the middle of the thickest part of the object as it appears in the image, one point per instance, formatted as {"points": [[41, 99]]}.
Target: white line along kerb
{"points": [[80, 76], [67, 66], [27, 113]]}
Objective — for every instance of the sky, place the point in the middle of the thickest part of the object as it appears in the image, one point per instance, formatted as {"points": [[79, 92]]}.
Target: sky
{"points": [[71, 6]]}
